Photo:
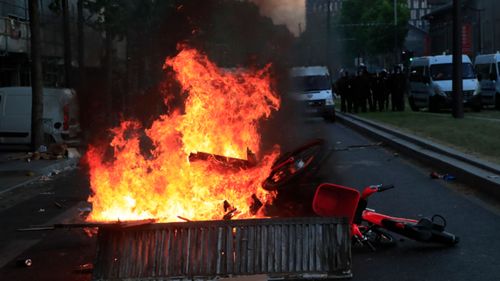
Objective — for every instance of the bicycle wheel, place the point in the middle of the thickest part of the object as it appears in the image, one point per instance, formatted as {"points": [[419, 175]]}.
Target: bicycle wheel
{"points": [[380, 238], [292, 165]]}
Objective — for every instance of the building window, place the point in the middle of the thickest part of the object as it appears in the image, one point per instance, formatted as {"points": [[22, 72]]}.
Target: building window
{"points": [[413, 14], [415, 3], [424, 4]]}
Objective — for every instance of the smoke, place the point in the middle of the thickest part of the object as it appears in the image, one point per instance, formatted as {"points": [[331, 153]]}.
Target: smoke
{"points": [[288, 12]]}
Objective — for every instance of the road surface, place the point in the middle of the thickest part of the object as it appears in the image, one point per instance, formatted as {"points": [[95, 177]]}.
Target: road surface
{"points": [[353, 161]]}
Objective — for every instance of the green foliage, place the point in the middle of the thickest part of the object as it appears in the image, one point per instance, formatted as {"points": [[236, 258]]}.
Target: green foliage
{"points": [[371, 24]]}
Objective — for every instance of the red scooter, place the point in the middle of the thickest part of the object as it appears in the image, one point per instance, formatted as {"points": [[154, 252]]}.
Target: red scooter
{"points": [[367, 226]]}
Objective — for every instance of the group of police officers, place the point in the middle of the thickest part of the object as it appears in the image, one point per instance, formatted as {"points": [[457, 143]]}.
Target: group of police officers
{"points": [[365, 91]]}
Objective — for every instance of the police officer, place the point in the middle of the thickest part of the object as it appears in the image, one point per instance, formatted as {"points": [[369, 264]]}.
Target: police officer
{"points": [[343, 88], [364, 88], [380, 91]]}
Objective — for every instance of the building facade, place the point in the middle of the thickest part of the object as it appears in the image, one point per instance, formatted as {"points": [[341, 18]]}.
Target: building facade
{"points": [[417, 40], [321, 44], [480, 27], [15, 43], [418, 9]]}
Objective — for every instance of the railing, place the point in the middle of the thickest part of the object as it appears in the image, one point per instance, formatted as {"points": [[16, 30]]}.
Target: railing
{"points": [[281, 248]]}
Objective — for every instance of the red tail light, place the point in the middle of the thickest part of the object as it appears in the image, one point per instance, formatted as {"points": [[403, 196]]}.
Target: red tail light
{"points": [[66, 117]]}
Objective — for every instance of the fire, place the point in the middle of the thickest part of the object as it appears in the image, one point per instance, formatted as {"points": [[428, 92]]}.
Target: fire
{"points": [[221, 115]]}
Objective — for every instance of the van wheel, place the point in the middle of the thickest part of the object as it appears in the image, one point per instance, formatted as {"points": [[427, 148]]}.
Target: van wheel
{"points": [[413, 106], [497, 101]]}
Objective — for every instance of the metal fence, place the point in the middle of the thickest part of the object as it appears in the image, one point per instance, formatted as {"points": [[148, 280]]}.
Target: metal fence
{"points": [[282, 248]]}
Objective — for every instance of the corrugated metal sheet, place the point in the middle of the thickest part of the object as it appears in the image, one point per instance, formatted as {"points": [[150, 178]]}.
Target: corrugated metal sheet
{"points": [[282, 248]]}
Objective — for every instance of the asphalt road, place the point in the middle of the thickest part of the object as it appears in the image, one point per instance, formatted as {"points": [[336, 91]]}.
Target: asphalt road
{"points": [[353, 160]]}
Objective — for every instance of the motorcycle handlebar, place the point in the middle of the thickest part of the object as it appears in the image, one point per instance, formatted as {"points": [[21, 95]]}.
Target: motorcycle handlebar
{"points": [[385, 187]]}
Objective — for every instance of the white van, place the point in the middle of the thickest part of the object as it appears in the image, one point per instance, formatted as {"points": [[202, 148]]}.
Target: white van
{"points": [[312, 86], [487, 67], [60, 114], [431, 83]]}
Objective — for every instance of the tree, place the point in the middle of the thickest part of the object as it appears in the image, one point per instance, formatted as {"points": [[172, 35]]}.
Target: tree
{"points": [[371, 24], [109, 19], [37, 136]]}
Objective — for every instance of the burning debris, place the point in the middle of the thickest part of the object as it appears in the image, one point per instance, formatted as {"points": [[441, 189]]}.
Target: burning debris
{"points": [[219, 126], [226, 162]]}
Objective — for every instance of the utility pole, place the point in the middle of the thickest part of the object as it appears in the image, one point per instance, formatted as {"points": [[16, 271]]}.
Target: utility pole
{"points": [[36, 77], [328, 27], [457, 106]]}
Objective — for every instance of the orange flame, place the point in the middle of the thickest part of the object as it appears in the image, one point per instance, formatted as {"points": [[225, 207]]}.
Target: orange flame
{"points": [[221, 115]]}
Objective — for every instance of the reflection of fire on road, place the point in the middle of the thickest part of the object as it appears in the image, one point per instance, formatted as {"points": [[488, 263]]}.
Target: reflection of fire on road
{"points": [[221, 115]]}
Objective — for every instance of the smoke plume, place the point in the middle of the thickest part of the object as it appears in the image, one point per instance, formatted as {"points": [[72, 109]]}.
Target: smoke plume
{"points": [[288, 12]]}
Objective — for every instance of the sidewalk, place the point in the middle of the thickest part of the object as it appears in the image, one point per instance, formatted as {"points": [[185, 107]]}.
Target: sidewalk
{"points": [[17, 171], [479, 174]]}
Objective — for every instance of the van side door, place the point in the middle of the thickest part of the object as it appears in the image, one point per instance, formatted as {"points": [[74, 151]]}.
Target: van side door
{"points": [[16, 118], [419, 85], [487, 72]]}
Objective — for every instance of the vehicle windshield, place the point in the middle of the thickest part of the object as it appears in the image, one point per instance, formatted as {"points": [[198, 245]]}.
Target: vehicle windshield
{"points": [[311, 83], [444, 71]]}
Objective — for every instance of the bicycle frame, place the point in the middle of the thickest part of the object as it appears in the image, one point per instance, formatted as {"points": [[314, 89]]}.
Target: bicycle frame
{"points": [[378, 219]]}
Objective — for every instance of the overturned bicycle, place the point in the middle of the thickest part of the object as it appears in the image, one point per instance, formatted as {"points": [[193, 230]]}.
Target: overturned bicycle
{"points": [[330, 200]]}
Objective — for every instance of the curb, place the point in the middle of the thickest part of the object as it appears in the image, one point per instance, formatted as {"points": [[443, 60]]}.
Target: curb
{"points": [[477, 173], [45, 171]]}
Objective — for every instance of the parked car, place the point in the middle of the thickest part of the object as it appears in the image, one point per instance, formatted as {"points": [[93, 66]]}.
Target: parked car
{"points": [[487, 67], [60, 115], [431, 83], [312, 86]]}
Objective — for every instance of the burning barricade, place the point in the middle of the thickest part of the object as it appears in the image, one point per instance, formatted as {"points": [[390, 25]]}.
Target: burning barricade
{"points": [[202, 185]]}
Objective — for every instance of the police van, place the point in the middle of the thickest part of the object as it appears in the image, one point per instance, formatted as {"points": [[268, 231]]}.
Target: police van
{"points": [[431, 83], [312, 86], [487, 67]]}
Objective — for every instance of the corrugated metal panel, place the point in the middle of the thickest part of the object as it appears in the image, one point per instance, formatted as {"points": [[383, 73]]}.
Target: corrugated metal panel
{"points": [[282, 248]]}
